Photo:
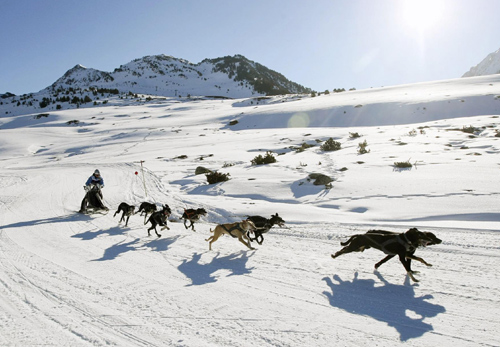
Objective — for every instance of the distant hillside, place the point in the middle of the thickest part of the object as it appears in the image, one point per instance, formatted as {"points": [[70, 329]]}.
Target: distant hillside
{"points": [[488, 66], [162, 75]]}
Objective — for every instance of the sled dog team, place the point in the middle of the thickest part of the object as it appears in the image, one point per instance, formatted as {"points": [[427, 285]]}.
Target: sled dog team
{"points": [[403, 245]]}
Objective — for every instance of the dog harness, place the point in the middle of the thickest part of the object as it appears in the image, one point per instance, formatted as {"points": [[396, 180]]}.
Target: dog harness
{"points": [[401, 239], [229, 231]]}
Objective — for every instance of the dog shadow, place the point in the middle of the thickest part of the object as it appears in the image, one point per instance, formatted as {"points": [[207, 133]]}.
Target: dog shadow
{"points": [[159, 245], [90, 235], [388, 303], [200, 274]]}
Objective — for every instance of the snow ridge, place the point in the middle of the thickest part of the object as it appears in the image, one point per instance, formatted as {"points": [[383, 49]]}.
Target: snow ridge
{"points": [[488, 66], [162, 75]]}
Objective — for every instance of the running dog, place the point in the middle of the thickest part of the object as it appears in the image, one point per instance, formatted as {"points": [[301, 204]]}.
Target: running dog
{"points": [[237, 230], [146, 208], [127, 211], [263, 225], [403, 245], [192, 216], [434, 241], [159, 218]]}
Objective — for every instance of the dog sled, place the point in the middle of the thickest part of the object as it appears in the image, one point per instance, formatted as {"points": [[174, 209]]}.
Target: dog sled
{"points": [[92, 202]]}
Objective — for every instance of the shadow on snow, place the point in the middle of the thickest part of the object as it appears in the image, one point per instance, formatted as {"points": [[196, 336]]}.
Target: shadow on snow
{"points": [[388, 303], [200, 274], [116, 250]]}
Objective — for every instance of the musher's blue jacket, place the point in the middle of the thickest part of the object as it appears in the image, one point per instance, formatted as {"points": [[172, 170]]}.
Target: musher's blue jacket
{"points": [[95, 180]]}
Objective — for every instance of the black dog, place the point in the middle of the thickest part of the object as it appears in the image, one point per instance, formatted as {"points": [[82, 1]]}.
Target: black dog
{"points": [[263, 225], [159, 218], [192, 216], [403, 245], [146, 208], [434, 241], [127, 211]]}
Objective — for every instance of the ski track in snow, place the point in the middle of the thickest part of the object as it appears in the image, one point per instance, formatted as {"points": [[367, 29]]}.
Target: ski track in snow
{"points": [[77, 280]]}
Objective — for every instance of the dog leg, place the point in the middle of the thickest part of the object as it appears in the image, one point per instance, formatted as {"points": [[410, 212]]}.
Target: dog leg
{"points": [[245, 243], [383, 261], [213, 238], [411, 276], [157, 233], [402, 258], [261, 239], [342, 251], [418, 259]]}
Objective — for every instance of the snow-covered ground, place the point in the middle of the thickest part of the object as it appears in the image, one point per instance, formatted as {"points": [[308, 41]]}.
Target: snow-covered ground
{"points": [[68, 279]]}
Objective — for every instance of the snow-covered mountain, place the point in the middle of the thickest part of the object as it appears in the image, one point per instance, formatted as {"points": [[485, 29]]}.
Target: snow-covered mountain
{"points": [[488, 66], [164, 75]]}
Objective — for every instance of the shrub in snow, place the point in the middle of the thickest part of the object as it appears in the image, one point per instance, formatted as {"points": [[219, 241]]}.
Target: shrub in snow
{"points": [[216, 177], [470, 129], [267, 159], [331, 145], [362, 148], [403, 164]]}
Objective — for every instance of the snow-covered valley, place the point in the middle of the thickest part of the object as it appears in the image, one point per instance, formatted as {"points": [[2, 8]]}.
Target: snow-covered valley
{"points": [[78, 280]]}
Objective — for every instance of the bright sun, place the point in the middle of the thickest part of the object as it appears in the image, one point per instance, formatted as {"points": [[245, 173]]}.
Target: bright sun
{"points": [[422, 15]]}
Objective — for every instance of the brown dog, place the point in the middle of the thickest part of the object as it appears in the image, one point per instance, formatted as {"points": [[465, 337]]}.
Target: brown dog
{"points": [[237, 230]]}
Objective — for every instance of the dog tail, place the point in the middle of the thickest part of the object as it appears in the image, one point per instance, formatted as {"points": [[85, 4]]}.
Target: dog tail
{"points": [[348, 241]]}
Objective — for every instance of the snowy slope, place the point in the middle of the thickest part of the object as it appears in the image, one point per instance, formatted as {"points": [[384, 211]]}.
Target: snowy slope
{"points": [[74, 280], [488, 66]]}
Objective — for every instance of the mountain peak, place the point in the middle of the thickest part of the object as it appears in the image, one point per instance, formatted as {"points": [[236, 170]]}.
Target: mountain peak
{"points": [[230, 76], [488, 66]]}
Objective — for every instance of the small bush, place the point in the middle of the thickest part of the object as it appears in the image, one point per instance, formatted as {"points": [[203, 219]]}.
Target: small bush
{"points": [[216, 177], [497, 133], [331, 145], [73, 122], [469, 130], [302, 147], [362, 148], [403, 164], [354, 135], [267, 159]]}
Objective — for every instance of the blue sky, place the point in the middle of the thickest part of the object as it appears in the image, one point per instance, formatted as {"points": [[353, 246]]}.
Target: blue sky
{"points": [[321, 44]]}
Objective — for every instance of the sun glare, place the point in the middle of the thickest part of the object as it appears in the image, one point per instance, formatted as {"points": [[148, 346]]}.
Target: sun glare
{"points": [[422, 15]]}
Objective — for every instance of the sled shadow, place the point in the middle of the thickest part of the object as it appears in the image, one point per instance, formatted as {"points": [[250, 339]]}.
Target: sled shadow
{"points": [[388, 303], [120, 248], [200, 274], [59, 219]]}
